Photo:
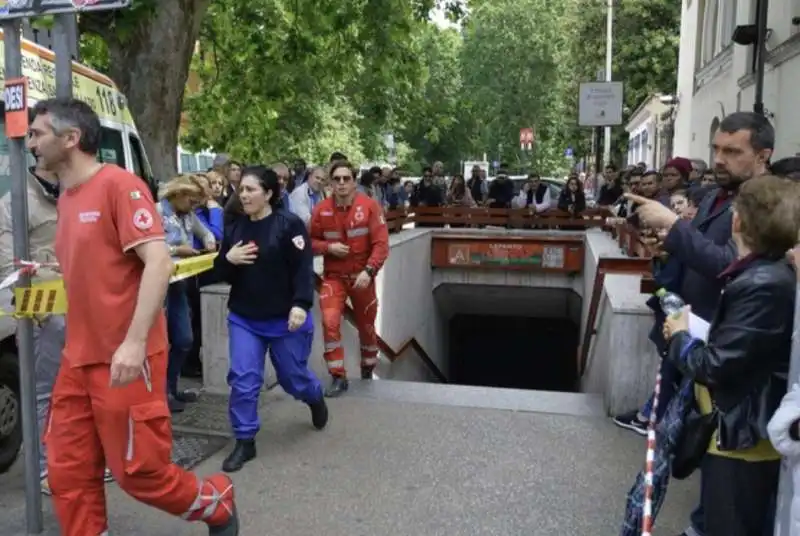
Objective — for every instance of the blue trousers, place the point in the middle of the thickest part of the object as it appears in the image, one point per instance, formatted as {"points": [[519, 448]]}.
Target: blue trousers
{"points": [[179, 331], [289, 351]]}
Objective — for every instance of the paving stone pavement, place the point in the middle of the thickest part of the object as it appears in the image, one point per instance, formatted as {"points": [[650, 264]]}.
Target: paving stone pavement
{"points": [[394, 468]]}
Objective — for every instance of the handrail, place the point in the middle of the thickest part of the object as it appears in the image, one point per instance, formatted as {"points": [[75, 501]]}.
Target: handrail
{"points": [[518, 217], [605, 265], [390, 353]]}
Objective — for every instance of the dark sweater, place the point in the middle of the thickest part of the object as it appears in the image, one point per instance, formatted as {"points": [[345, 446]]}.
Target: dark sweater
{"points": [[282, 275]]}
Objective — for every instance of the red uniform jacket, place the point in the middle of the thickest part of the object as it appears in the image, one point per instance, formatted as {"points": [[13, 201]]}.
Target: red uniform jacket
{"points": [[361, 226]]}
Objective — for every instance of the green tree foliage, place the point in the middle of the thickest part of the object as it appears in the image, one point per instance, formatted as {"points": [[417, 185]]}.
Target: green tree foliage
{"points": [[275, 73], [279, 78], [511, 74]]}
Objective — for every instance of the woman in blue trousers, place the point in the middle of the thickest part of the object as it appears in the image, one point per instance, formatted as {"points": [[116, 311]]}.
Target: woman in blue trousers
{"points": [[266, 257]]}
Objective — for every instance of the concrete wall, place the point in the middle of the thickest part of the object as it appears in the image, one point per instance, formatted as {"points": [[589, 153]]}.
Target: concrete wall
{"points": [[622, 362]]}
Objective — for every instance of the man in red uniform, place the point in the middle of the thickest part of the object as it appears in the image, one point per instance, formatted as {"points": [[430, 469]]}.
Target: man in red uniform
{"points": [[109, 400], [349, 229]]}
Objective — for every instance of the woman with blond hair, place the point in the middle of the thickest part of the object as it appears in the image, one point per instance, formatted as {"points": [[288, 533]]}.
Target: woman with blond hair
{"points": [[179, 197]]}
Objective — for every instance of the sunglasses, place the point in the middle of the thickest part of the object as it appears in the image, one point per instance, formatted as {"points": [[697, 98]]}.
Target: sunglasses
{"points": [[341, 178]]}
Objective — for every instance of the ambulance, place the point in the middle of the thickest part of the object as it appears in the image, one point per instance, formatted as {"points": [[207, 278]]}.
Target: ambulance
{"points": [[120, 144]]}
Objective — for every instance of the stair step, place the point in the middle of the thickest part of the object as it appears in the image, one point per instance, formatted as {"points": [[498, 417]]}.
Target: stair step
{"points": [[559, 403]]}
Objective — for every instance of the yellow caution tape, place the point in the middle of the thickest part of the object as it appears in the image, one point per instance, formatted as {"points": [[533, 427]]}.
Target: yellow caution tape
{"points": [[186, 268], [49, 297]]}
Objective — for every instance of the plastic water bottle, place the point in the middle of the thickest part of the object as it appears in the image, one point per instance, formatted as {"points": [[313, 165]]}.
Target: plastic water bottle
{"points": [[671, 303]]}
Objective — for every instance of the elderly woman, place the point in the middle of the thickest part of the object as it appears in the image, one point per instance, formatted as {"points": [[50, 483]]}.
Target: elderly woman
{"points": [[179, 198]]}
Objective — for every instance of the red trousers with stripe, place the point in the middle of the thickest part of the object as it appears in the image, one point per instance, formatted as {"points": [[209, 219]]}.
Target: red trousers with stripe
{"points": [[332, 299], [128, 429]]}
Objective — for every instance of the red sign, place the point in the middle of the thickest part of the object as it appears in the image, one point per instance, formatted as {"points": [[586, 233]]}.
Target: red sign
{"points": [[15, 98], [526, 136], [508, 254]]}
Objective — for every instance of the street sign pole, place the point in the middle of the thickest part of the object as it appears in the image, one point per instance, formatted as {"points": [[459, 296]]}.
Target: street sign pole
{"points": [[27, 369], [62, 51]]}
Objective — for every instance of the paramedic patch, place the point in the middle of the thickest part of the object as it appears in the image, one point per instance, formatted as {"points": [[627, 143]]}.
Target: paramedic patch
{"points": [[142, 219], [299, 242], [136, 195]]}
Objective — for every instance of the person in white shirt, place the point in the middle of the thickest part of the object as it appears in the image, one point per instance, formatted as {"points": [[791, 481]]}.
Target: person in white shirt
{"points": [[534, 194], [305, 197]]}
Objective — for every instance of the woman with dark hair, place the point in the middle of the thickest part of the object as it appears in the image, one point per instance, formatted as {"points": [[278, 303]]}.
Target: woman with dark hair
{"points": [[572, 198], [458, 195], [266, 257]]}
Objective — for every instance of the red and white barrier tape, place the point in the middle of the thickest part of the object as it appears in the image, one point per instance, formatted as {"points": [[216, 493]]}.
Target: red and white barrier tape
{"points": [[647, 507]]}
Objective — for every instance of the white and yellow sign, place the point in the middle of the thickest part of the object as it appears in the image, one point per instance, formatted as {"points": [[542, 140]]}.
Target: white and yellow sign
{"points": [[87, 85]]}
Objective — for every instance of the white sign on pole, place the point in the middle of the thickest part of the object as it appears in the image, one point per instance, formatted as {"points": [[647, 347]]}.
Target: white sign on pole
{"points": [[600, 104], [15, 9]]}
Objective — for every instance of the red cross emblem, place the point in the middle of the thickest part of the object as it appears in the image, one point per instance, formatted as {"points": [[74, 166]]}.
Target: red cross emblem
{"points": [[142, 219]]}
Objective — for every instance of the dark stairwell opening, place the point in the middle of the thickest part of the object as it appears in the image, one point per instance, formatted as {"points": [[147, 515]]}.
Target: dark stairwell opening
{"points": [[513, 352], [512, 337]]}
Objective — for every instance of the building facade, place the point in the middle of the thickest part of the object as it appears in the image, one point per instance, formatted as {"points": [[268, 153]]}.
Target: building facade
{"points": [[650, 132], [717, 77]]}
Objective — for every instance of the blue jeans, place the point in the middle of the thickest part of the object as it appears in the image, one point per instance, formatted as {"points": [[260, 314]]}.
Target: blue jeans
{"points": [[179, 330]]}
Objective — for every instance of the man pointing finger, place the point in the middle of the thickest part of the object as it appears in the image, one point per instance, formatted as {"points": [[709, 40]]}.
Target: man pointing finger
{"points": [[652, 213]]}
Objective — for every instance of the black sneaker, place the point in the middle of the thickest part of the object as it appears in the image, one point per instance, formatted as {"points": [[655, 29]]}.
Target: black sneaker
{"points": [[337, 387], [631, 421], [319, 414], [366, 373]]}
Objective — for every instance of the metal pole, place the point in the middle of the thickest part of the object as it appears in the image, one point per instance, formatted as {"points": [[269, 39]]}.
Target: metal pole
{"points": [[609, 55], [63, 51], [761, 51], [598, 164], [19, 218]]}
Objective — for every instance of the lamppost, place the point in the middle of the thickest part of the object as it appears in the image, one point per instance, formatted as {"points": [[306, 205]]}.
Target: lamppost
{"points": [[756, 35]]}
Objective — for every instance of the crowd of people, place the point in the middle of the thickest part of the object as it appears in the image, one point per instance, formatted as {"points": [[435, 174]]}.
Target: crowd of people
{"points": [[108, 374], [721, 238]]}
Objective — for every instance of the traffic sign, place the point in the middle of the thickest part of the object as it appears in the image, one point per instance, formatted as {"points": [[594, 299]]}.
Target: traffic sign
{"points": [[16, 9], [496, 164], [600, 104], [568, 152]]}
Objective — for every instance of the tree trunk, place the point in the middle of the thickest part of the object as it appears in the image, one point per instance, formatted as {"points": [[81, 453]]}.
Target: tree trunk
{"points": [[151, 67]]}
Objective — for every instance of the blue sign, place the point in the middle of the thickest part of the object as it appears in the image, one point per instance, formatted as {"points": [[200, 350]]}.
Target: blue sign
{"points": [[568, 152], [495, 164]]}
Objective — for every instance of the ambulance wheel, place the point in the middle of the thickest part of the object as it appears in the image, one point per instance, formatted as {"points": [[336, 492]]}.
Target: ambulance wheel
{"points": [[10, 411]]}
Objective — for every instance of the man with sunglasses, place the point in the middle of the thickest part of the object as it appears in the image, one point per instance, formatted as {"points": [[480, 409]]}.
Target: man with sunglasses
{"points": [[349, 229]]}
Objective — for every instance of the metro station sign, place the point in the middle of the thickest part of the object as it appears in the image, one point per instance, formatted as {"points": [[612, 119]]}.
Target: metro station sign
{"points": [[527, 254], [16, 9]]}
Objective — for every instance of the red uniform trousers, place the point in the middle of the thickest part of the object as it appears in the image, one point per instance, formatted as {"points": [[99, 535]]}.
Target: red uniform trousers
{"points": [[332, 298], [129, 429]]}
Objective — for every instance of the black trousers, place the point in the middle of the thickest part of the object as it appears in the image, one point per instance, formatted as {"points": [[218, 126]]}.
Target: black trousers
{"points": [[739, 497]]}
